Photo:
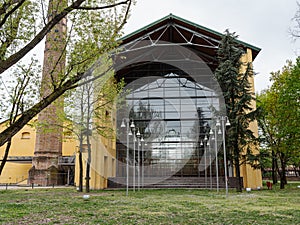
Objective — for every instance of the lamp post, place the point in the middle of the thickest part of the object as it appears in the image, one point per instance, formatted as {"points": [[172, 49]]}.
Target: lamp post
{"points": [[224, 122], [138, 135], [217, 162], [211, 137], [205, 171], [142, 145], [128, 131], [210, 178], [132, 126]]}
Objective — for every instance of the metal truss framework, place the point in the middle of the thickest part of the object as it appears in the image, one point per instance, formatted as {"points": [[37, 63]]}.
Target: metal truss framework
{"points": [[185, 37]]}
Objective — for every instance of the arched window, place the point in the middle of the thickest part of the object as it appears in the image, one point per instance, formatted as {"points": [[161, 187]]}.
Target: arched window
{"points": [[25, 135]]}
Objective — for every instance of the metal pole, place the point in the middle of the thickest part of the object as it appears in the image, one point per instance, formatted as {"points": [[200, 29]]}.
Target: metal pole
{"points": [[127, 156], [138, 166], [210, 169], [134, 160], [216, 152], [205, 172], [68, 177], [225, 160], [142, 164]]}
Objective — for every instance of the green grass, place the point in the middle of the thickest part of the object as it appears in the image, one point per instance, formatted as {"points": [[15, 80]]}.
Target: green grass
{"points": [[175, 206]]}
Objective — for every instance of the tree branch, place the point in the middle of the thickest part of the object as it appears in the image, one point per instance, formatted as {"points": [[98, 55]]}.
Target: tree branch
{"points": [[103, 7], [6, 5], [38, 107], [6, 64], [11, 12], [5, 155]]}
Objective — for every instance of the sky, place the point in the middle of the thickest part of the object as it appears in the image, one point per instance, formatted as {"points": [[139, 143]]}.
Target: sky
{"points": [[262, 23]]}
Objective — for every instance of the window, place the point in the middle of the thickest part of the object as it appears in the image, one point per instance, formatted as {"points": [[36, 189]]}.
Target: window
{"points": [[172, 111], [25, 135], [68, 134]]}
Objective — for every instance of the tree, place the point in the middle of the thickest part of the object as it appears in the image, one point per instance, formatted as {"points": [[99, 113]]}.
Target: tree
{"points": [[233, 77], [295, 30], [149, 123], [87, 115], [91, 27], [22, 94], [266, 103], [280, 113], [95, 29]]}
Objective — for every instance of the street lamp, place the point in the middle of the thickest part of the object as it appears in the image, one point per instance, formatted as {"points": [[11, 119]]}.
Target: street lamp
{"points": [[216, 153], [142, 145], [132, 126], [128, 132], [138, 135], [211, 137], [224, 122], [210, 178], [205, 142]]}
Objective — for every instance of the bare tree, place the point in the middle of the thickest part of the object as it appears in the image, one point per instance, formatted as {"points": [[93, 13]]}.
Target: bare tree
{"points": [[295, 29]]}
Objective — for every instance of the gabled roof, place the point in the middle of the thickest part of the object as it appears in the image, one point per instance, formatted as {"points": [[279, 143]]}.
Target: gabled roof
{"points": [[185, 30]]}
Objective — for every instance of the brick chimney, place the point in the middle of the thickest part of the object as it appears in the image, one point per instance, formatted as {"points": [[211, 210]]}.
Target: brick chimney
{"points": [[48, 147]]}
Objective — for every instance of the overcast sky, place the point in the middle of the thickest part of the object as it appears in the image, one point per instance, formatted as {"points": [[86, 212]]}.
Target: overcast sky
{"points": [[262, 23]]}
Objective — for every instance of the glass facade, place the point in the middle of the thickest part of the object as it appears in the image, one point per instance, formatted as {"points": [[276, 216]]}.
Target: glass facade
{"points": [[173, 114]]}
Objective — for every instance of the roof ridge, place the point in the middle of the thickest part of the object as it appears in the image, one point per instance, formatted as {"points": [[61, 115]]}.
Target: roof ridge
{"points": [[172, 16]]}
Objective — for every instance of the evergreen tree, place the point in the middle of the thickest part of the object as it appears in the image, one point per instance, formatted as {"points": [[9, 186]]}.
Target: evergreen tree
{"points": [[233, 77]]}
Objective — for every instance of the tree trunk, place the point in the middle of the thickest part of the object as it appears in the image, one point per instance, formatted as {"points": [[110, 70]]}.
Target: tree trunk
{"points": [[80, 164], [237, 166], [80, 172], [283, 180], [5, 155], [88, 164], [274, 168]]}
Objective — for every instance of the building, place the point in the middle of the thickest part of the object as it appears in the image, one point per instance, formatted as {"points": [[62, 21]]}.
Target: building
{"points": [[48, 145], [21, 153], [168, 67]]}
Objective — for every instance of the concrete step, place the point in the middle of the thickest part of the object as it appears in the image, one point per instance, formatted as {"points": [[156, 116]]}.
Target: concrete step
{"points": [[168, 182]]}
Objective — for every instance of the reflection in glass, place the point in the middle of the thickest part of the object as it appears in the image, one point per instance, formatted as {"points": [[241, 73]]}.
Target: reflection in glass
{"points": [[173, 115]]}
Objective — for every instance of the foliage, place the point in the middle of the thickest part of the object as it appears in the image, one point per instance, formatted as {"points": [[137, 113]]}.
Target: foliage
{"points": [[22, 93], [94, 27], [280, 113], [233, 76], [169, 206], [88, 115], [144, 116]]}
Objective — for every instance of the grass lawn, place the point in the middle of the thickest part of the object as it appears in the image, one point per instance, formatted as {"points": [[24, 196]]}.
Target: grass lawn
{"points": [[175, 206]]}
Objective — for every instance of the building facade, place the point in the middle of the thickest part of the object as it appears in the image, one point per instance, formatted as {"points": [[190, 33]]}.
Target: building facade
{"points": [[168, 67], [168, 70]]}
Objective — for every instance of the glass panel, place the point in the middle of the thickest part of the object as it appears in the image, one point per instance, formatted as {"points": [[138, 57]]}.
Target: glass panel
{"points": [[168, 110]]}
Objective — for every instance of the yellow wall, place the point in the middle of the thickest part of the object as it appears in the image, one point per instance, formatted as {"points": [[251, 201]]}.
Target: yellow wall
{"points": [[23, 145], [69, 147], [14, 172], [103, 150], [252, 177], [103, 163]]}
